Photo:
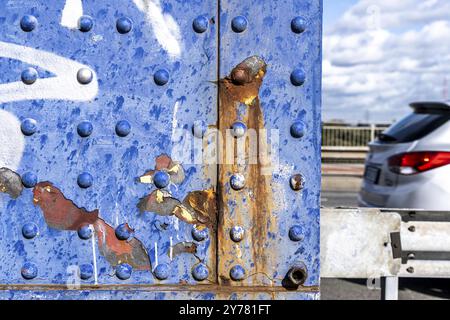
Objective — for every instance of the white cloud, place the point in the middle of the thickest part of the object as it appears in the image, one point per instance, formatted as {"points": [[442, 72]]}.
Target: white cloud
{"points": [[382, 55]]}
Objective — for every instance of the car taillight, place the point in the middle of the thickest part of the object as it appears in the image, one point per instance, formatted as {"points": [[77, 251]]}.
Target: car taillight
{"points": [[417, 162]]}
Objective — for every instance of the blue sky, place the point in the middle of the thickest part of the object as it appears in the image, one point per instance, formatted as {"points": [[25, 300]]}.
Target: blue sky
{"points": [[381, 55]]}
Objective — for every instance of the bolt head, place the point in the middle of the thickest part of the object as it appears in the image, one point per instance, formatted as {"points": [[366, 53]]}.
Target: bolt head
{"points": [[123, 271], [200, 272], [200, 24], [123, 128], [237, 181], [239, 24], [28, 127], [29, 76], [29, 180], [297, 182], [85, 23], [85, 180], [84, 76], [85, 129], [28, 23], [239, 76], [124, 25], [29, 230], [29, 271], [162, 271], [237, 273]]}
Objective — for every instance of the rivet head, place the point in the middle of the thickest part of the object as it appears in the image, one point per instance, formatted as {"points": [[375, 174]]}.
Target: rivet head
{"points": [[29, 230], [123, 231], [84, 76], [29, 180], [298, 77], [162, 271], [85, 232], [298, 129], [200, 272], [28, 23], [200, 24], [237, 233], [85, 129], [239, 24], [296, 233], [410, 270], [85, 23], [297, 182], [86, 271], [28, 127], [123, 271], [239, 76], [199, 129], [85, 180], [238, 129], [411, 256], [237, 181], [29, 271], [161, 77], [124, 25], [199, 233], [161, 179], [29, 76], [298, 25], [237, 273], [123, 128]]}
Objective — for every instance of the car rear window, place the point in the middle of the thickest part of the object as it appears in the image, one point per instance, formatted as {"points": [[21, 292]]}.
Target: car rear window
{"points": [[413, 127]]}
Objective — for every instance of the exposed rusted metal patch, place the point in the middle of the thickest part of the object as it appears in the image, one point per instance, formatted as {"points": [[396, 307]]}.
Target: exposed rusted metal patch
{"points": [[59, 212], [119, 251], [10, 183], [253, 205], [165, 163], [184, 247]]}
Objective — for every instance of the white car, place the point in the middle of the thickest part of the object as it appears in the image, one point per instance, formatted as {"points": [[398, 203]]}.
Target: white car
{"points": [[408, 165]]}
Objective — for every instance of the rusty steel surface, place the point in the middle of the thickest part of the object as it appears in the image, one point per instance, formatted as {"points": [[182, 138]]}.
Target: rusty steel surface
{"points": [[160, 149]]}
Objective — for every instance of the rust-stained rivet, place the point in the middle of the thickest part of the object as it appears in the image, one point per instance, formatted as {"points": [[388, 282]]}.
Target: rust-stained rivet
{"points": [[238, 129], [199, 233], [123, 271], [239, 76], [29, 76], [237, 233], [85, 232], [29, 271], [162, 271], [296, 233], [28, 23], [237, 273], [84, 76], [410, 270], [237, 181], [200, 272], [296, 276], [297, 182], [86, 271], [412, 229], [28, 127], [29, 230]]}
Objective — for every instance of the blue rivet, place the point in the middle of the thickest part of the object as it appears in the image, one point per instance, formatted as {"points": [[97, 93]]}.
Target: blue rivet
{"points": [[124, 25], [297, 182], [162, 271], [123, 231], [298, 129], [29, 271], [200, 272], [29, 76], [29, 230], [123, 128], [85, 129], [29, 180], [200, 24], [295, 233], [86, 271], [85, 23], [298, 25], [239, 24], [237, 181], [161, 77], [28, 23], [238, 129], [85, 232], [85, 76], [199, 129], [237, 273], [199, 233], [28, 127], [237, 233], [85, 180], [298, 77], [123, 271], [161, 179]]}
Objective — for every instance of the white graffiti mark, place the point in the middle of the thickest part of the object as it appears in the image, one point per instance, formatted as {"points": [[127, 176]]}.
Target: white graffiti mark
{"points": [[165, 28], [72, 11], [12, 141], [64, 86]]}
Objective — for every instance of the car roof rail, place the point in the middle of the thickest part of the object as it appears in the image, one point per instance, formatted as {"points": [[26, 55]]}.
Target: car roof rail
{"points": [[431, 107]]}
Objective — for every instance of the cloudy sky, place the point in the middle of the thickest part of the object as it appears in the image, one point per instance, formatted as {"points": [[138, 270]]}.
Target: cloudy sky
{"points": [[379, 55]]}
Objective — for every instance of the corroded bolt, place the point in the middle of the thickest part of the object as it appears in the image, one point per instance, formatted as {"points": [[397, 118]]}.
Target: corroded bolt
{"points": [[412, 229], [239, 76], [410, 270], [297, 182], [296, 276]]}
